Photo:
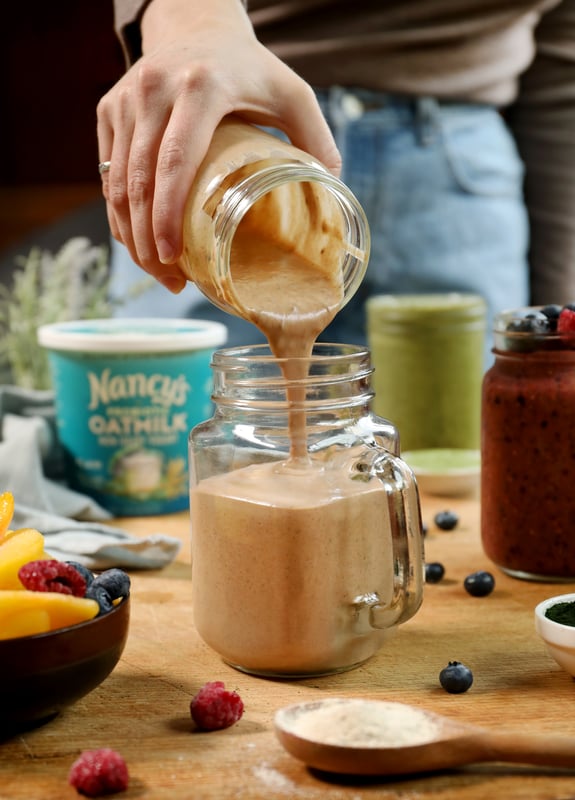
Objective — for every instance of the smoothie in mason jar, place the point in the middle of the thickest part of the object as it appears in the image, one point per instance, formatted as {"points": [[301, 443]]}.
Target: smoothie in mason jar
{"points": [[528, 445], [298, 566]]}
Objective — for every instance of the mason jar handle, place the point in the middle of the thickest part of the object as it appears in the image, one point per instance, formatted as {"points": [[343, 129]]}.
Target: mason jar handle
{"points": [[407, 545]]}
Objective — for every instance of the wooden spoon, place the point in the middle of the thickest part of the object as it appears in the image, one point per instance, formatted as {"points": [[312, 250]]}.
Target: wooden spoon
{"points": [[372, 737]]}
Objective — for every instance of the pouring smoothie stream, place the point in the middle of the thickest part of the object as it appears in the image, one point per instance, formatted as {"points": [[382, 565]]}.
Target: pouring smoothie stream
{"points": [[306, 533]]}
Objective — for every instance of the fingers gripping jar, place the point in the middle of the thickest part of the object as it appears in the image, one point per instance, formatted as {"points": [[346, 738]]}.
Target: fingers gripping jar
{"points": [[260, 208], [300, 567]]}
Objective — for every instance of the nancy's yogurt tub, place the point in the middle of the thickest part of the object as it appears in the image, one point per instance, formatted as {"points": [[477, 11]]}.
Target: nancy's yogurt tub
{"points": [[127, 394]]}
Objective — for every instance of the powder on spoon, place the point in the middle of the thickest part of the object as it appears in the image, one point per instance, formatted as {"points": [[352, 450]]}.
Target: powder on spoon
{"points": [[364, 723]]}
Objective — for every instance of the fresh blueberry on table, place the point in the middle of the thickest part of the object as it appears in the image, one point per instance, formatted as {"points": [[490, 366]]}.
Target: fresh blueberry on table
{"points": [[456, 678], [446, 520], [479, 584], [434, 572]]}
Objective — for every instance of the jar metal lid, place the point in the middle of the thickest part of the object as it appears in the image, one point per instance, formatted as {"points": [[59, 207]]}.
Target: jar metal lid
{"points": [[132, 335]]}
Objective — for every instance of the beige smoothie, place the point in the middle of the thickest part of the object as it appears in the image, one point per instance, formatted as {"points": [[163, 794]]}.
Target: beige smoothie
{"points": [[282, 556]]}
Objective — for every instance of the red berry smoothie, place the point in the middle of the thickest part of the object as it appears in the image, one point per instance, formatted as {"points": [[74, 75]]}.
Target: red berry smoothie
{"points": [[528, 455]]}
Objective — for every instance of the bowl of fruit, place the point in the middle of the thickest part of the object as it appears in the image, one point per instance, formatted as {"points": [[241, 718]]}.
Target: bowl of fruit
{"points": [[62, 627]]}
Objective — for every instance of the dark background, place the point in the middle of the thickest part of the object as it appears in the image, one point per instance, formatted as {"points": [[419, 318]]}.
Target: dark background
{"points": [[57, 59]]}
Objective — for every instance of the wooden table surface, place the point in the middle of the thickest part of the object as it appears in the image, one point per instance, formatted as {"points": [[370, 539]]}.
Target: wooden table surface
{"points": [[142, 709]]}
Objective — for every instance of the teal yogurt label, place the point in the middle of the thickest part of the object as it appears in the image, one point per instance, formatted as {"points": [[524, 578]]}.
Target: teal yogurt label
{"points": [[123, 422]]}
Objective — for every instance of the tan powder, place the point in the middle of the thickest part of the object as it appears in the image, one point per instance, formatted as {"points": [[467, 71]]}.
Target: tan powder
{"points": [[365, 723]]}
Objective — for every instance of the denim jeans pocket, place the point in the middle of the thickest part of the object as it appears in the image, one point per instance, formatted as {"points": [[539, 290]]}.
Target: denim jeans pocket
{"points": [[481, 152]]}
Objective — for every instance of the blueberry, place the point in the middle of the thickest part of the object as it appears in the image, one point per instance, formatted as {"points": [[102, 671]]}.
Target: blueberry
{"points": [[87, 574], [115, 581], [534, 325], [534, 322], [479, 584], [434, 572], [456, 678], [101, 596], [552, 312], [446, 520]]}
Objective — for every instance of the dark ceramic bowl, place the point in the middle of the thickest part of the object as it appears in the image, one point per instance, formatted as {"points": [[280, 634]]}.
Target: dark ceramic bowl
{"points": [[41, 675]]}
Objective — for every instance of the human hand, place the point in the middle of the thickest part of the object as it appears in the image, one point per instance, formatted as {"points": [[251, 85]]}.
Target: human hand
{"points": [[201, 61]]}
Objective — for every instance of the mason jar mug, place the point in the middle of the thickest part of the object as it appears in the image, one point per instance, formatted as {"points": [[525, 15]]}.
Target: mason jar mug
{"points": [[302, 564]]}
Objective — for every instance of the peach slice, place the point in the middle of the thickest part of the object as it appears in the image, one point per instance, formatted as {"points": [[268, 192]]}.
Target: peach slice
{"points": [[27, 613], [6, 511], [27, 545]]}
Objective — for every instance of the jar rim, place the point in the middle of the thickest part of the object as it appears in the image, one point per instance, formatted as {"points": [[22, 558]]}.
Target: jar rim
{"points": [[261, 353], [238, 199]]}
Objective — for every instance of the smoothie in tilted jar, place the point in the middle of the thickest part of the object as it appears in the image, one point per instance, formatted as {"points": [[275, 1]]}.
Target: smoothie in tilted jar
{"points": [[306, 529], [528, 445]]}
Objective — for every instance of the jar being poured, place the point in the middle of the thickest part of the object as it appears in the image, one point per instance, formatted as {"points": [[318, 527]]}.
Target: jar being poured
{"points": [[265, 221], [287, 505]]}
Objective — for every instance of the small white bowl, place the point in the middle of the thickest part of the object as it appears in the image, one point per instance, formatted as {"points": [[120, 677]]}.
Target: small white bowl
{"points": [[559, 639], [448, 472]]}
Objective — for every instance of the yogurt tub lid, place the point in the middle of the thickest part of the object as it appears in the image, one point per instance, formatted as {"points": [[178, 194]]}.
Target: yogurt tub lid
{"points": [[146, 335]]}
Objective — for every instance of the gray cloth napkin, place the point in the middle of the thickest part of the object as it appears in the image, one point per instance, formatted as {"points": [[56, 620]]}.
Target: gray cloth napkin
{"points": [[73, 524]]}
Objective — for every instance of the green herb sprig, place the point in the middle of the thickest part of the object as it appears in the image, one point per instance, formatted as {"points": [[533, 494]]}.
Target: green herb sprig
{"points": [[70, 284]]}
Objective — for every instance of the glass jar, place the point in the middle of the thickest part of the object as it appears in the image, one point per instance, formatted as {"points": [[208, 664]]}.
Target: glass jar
{"points": [[428, 353], [300, 567], [528, 453], [256, 199]]}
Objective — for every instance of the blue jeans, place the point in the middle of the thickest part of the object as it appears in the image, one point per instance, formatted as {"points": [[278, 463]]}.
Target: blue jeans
{"points": [[442, 187]]}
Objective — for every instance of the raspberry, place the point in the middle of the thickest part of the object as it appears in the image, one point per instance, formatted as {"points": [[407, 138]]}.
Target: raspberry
{"points": [[213, 707], [566, 321], [98, 772], [50, 575]]}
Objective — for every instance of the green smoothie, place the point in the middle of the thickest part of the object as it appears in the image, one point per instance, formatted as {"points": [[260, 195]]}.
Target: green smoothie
{"points": [[428, 354]]}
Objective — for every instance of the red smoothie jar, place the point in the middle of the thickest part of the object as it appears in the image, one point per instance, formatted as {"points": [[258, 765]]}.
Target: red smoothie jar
{"points": [[528, 449]]}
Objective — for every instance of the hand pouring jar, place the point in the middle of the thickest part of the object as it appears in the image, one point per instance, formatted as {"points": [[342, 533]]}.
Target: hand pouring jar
{"points": [[301, 566]]}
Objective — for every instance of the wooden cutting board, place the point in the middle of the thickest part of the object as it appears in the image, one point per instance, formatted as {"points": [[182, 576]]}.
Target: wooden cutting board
{"points": [[142, 709]]}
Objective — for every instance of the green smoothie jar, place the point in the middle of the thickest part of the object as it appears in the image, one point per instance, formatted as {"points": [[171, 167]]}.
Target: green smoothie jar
{"points": [[428, 353]]}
